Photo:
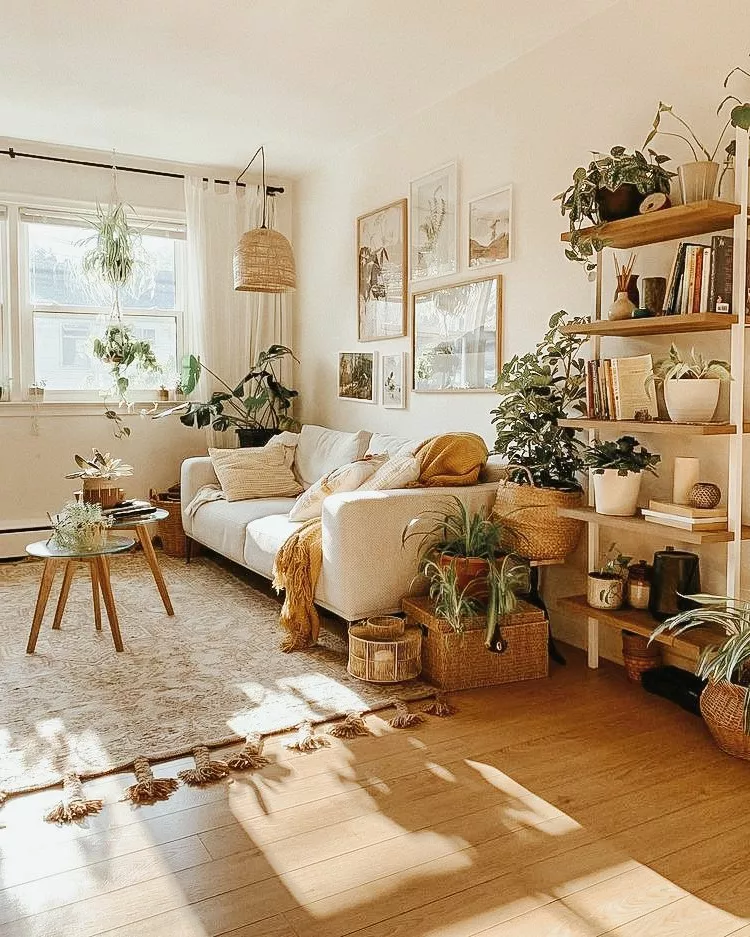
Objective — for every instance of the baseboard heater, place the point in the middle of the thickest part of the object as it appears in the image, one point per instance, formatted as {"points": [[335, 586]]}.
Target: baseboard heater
{"points": [[15, 536]]}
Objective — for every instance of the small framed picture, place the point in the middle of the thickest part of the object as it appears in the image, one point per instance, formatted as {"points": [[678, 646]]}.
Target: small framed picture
{"points": [[381, 278], [491, 228], [393, 379], [358, 376], [433, 223], [457, 337]]}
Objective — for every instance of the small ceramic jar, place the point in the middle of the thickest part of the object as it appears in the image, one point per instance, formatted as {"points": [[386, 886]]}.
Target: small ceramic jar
{"points": [[639, 585]]}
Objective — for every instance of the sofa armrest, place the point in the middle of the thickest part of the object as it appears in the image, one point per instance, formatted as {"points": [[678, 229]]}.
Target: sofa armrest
{"points": [[366, 571], [194, 474]]}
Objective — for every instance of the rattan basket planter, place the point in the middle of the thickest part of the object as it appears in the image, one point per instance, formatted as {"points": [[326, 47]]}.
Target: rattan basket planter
{"points": [[532, 514], [638, 655], [454, 661], [171, 534], [722, 707], [383, 652]]}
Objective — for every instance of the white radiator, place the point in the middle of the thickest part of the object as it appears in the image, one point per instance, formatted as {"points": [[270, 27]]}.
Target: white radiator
{"points": [[17, 534]]}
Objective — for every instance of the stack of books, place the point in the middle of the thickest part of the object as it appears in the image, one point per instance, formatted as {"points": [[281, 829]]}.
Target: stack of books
{"points": [[701, 278], [616, 388], [129, 511], [684, 517]]}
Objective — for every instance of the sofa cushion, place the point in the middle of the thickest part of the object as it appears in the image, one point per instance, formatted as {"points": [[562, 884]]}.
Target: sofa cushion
{"points": [[222, 525], [255, 473], [321, 450], [263, 539], [393, 445], [347, 477], [397, 472]]}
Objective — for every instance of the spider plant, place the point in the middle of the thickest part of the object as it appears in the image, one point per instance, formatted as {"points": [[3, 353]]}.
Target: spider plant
{"points": [[458, 531], [113, 252], [452, 603], [728, 662]]}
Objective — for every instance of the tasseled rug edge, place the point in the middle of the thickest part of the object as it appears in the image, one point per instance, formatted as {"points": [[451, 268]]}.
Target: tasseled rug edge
{"points": [[249, 757], [306, 740], [206, 770], [148, 789], [352, 726], [73, 807]]}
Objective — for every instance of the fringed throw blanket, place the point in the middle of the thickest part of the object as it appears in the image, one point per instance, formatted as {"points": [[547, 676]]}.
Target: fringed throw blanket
{"points": [[296, 570]]}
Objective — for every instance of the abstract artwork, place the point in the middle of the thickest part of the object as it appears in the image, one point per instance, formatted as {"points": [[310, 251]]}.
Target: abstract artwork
{"points": [[433, 223], [490, 220], [357, 378], [393, 372], [456, 337], [381, 273]]}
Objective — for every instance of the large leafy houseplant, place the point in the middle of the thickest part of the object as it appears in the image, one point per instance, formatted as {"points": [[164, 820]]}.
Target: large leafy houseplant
{"points": [[612, 186]]}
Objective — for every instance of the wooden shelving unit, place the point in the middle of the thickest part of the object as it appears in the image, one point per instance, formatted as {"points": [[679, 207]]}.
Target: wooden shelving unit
{"points": [[657, 325], [663, 427], [641, 622], [682, 221], [642, 526]]}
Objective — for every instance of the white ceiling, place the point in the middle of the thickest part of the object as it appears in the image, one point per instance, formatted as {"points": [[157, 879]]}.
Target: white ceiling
{"points": [[208, 82]]}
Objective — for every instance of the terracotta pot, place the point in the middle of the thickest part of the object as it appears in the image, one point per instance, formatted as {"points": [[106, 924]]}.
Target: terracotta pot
{"points": [[471, 573], [624, 202]]}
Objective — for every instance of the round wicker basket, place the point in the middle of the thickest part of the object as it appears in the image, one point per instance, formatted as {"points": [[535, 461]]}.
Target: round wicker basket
{"points": [[376, 659], [722, 706], [638, 655], [532, 514], [386, 627], [171, 534]]}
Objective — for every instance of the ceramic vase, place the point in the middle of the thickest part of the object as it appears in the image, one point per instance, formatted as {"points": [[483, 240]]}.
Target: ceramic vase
{"points": [[697, 180], [621, 308]]}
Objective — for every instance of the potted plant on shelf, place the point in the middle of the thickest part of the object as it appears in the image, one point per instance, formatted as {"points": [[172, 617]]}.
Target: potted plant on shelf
{"points": [[613, 186], [725, 701], [537, 390], [691, 385], [606, 585], [257, 408], [618, 468], [97, 475]]}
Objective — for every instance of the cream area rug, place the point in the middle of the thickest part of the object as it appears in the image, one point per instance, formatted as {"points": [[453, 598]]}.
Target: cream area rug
{"points": [[210, 675]]}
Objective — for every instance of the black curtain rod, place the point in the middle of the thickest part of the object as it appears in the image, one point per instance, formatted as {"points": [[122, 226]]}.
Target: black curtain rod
{"points": [[13, 154]]}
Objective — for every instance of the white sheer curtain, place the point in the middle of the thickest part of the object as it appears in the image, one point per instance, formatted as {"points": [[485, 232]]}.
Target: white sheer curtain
{"points": [[226, 328]]}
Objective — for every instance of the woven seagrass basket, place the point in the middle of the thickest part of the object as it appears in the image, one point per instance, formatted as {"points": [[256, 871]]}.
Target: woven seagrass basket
{"points": [[638, 655], [171, 534], [375, 658], [722, 706]]}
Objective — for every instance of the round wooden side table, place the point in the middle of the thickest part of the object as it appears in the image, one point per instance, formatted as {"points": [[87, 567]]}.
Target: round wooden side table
{"points": [[140, 525]]}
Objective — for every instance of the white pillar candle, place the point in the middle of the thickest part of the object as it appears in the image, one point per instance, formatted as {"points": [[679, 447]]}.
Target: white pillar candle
{"points": [[686, 474]]}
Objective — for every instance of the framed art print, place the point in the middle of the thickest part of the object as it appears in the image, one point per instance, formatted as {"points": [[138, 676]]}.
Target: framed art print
{"points": [[357, 378], [433, 211], [381, 273], [393, 380], [490, 228], [457, 337]]}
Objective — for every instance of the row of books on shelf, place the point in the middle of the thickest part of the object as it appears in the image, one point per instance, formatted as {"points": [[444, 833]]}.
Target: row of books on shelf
{"points": [[617, 388], [700, 279]]}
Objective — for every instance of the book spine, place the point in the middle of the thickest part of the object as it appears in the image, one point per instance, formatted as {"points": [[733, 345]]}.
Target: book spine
{"points": [[610, 389], [671, 283], [688, 281], [603, 415], [695, 306], [590, 401], [707, 269], [721, 289], [614, 372]]}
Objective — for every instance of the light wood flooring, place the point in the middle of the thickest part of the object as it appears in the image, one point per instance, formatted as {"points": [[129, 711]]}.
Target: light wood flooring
{"points": [[569, 807]]}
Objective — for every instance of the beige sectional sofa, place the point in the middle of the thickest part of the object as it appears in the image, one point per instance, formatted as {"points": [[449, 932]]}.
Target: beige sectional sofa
{"points": [[366, 571]]}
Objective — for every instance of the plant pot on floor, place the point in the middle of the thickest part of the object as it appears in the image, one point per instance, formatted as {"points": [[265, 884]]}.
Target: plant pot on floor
{"points": [[532, 514], [691, 401], [638, 655], [250, 438], [697, 180], [616, 494], [605, 590], [722, 707]]}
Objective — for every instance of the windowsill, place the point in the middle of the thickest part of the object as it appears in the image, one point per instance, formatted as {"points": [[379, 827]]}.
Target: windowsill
{"points": [[14, 408]]}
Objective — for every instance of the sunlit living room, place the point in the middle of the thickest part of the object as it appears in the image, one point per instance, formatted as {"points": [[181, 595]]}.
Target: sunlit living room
{"points": [[373, 503]]}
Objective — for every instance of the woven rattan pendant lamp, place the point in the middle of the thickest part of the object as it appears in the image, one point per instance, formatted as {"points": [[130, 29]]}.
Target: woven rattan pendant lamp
{"points": [[263, 260]]}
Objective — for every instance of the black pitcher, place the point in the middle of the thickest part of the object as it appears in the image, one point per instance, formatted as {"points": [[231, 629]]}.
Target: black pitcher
{"points": [[676, 574]]}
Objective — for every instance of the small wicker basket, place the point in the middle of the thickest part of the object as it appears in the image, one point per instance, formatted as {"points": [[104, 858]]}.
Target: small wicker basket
{"points": [[171, 534], [384, 653], [638, 655], [722, 707]]}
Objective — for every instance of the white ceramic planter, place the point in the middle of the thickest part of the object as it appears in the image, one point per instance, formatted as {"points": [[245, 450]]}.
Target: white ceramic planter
{"points": [[691, 401], [616, 494], [604, 591]]}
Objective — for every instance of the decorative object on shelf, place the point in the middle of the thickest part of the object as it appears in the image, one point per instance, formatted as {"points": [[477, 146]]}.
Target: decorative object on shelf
{"points": [[691, 385], [638, 586], [457, 336], [490, 228], [657, 201], [162, 393], [624, 304], [638, 655], [393, 376], [257, 407], [79, 527], [725, 702], [686, 473], [382, 260], [97, 475], [36, 391], [654, 293], [606, 585], [377, 657], [433, 216], [358, 376], [704, 495], [536, 391], [263, 261], [642, 313], [618, 469], [676, 575], [612, 187]]}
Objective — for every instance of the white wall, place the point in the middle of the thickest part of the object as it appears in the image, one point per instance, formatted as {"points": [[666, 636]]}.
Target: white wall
{"points": [[530, 124]]}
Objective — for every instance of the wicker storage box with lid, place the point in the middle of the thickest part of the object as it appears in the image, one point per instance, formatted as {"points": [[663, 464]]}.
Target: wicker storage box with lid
{"points": [[454, 661]]}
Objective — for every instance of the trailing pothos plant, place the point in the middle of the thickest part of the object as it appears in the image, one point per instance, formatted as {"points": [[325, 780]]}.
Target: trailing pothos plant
{"points": [[537, 390]]}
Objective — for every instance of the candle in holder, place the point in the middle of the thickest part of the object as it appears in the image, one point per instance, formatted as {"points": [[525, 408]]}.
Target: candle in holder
{"points": [[686, 474]]}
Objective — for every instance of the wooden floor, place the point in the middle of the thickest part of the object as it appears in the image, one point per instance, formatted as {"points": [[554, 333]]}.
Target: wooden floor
{"points": [[579, 806]]}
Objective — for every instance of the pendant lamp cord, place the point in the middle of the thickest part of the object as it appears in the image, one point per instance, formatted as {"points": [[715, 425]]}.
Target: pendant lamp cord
{"points": [[262, 151]]}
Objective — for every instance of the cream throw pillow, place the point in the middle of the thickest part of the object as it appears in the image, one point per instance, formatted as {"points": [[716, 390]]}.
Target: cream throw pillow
{"points": [[348, 477], [255, 473], [398, 472]]}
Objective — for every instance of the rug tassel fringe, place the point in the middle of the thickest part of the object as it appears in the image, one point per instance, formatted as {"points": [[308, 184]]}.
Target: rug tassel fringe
{"points": [[205, 771], [73, 806], [249, 757], [403, 718], [440, 706], [352, 726], [306, 740], [148, 789], [3, 797]]}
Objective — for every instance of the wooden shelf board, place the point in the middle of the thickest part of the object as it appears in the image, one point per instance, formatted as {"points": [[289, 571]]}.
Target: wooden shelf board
{"points": [[682, 221], [642, 526], [654, 426], [641, 622], [656, 325]]}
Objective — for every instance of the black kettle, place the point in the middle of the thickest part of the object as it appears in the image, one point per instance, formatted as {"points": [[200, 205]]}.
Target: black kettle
{"points": [[676, 574]]}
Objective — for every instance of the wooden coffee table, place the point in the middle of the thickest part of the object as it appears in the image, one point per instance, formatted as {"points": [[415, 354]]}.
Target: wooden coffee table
{"points": [[140, 527], [98, 563]]}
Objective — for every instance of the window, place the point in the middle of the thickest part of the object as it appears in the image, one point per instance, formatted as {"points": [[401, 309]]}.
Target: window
{"points": [[63, 311]]}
